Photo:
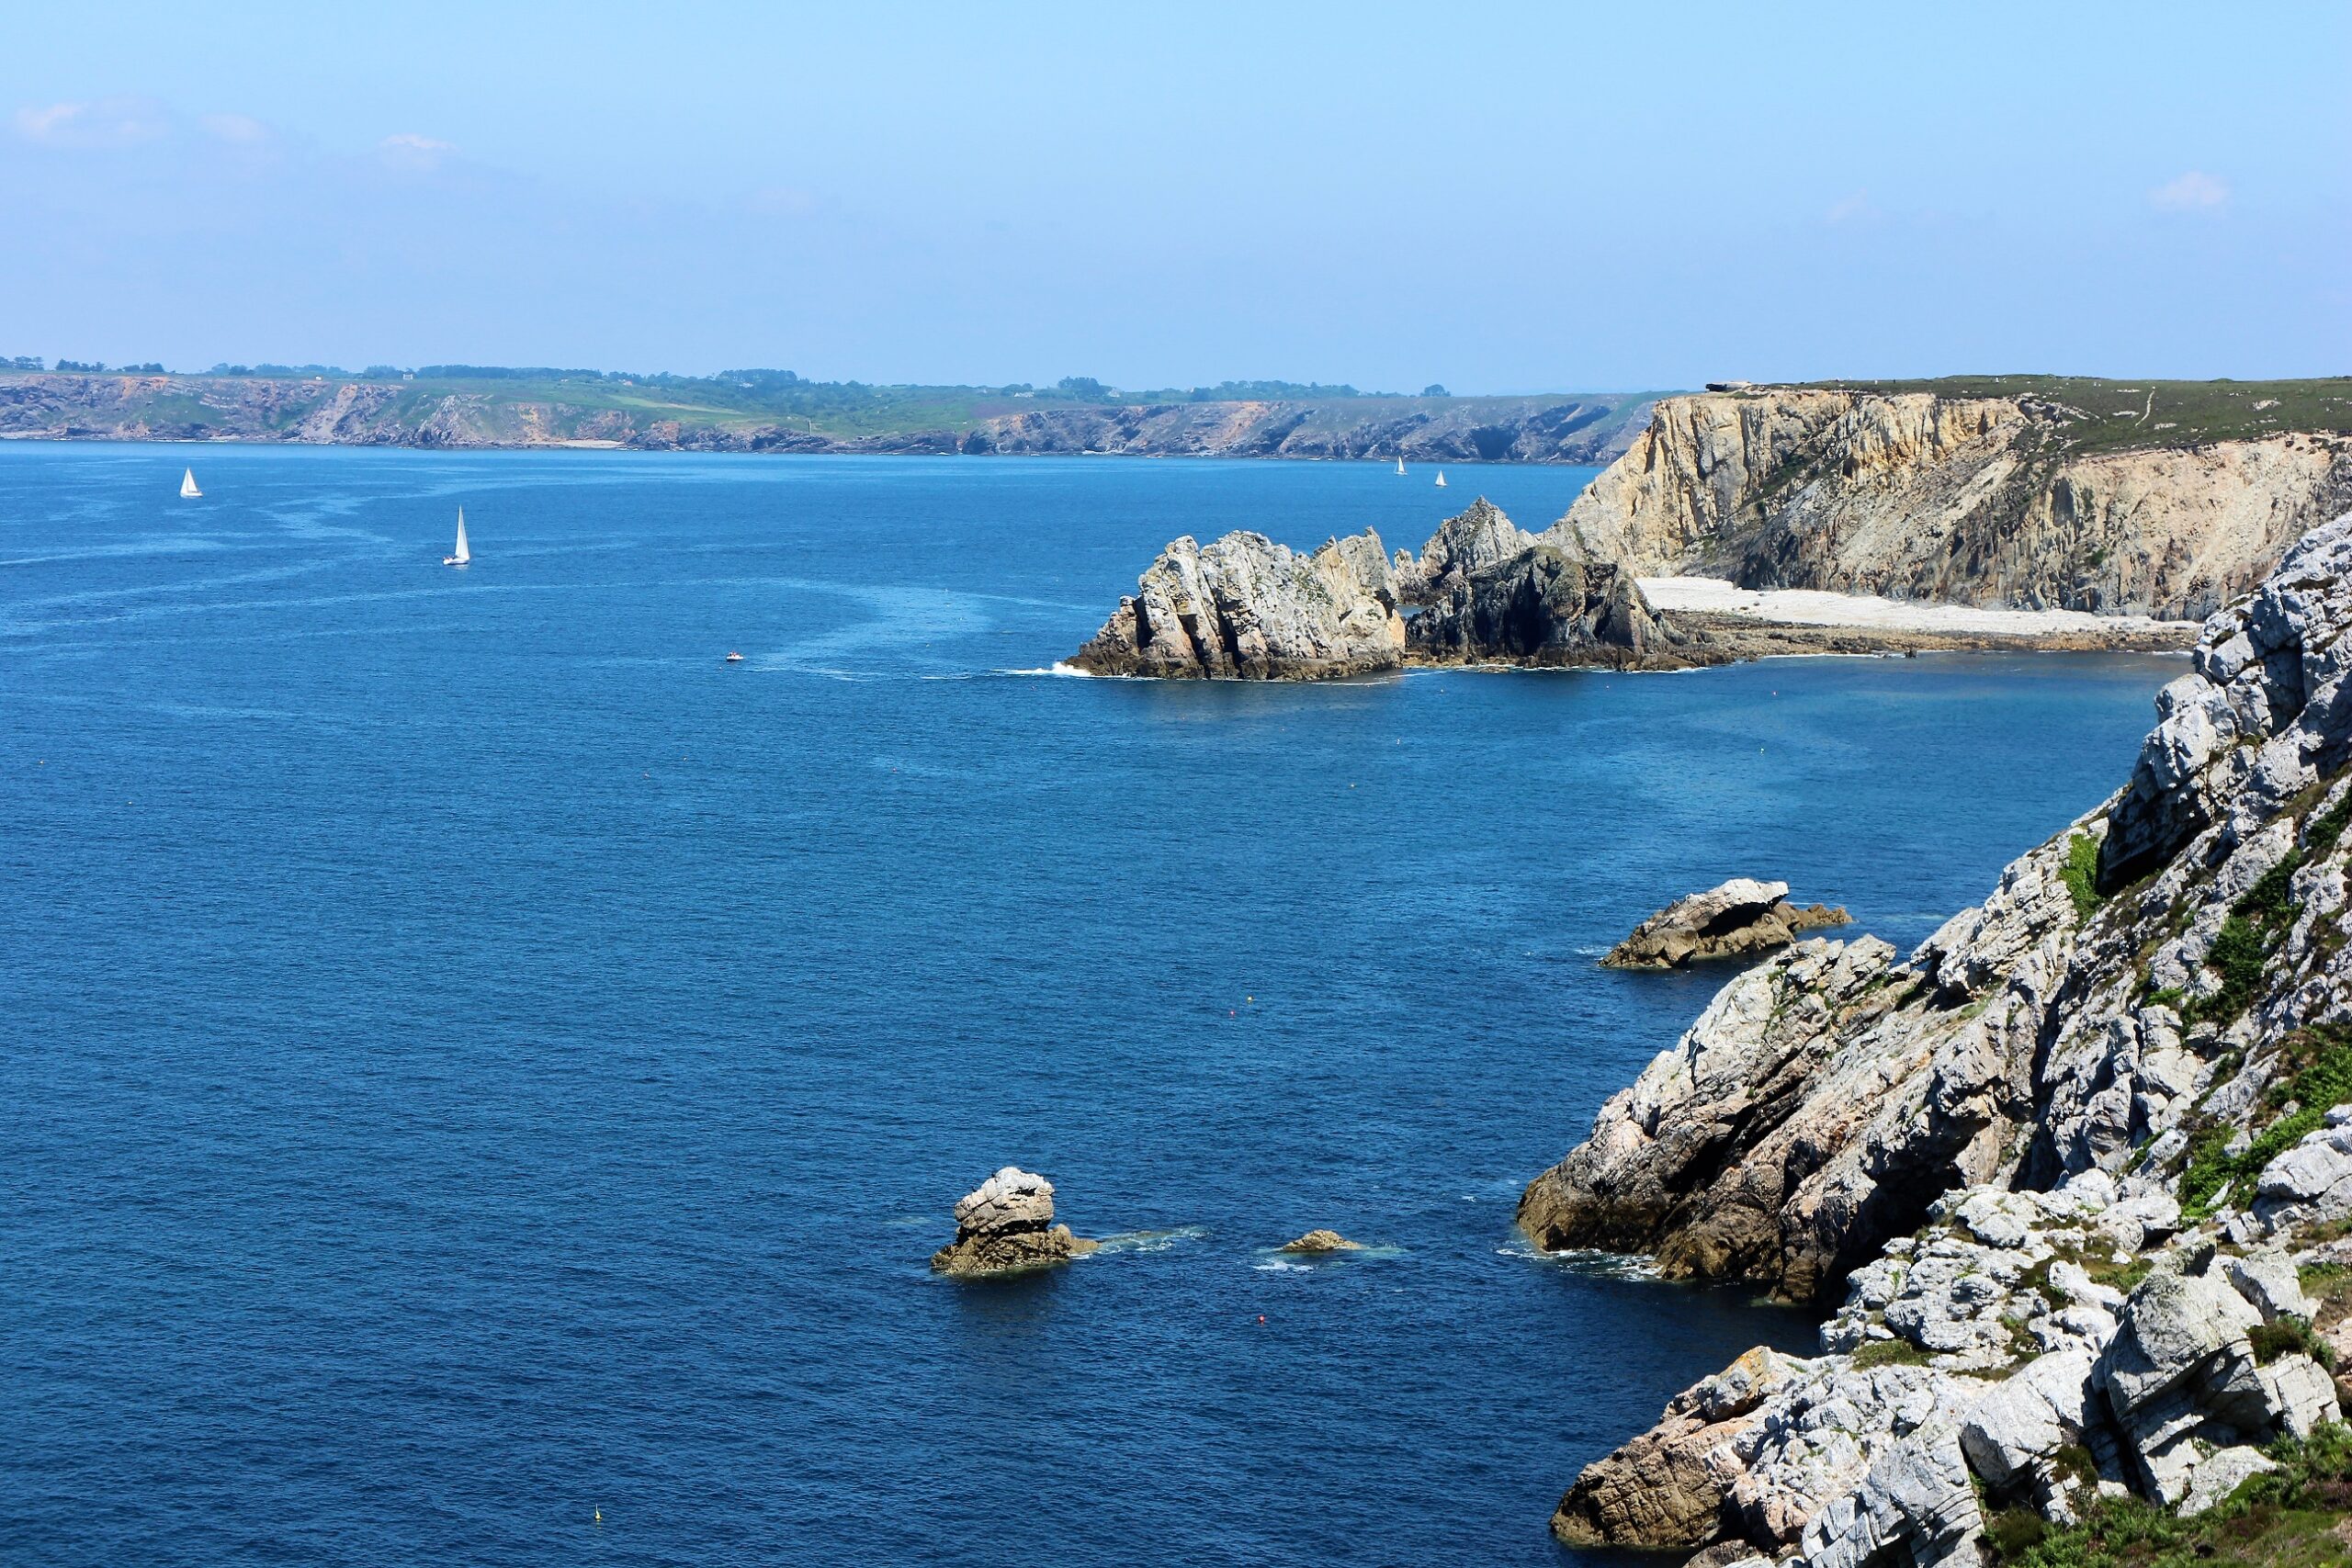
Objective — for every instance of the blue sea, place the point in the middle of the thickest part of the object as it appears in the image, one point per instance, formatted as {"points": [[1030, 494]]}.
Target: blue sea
{"points": [[483, 1076]]}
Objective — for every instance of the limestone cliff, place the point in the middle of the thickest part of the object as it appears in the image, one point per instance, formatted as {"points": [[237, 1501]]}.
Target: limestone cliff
{"points": [[2018, 500], [2059, 1164]]}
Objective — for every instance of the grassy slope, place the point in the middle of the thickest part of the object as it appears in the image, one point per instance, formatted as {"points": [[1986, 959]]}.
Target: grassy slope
{"points": [[2123, 415]]}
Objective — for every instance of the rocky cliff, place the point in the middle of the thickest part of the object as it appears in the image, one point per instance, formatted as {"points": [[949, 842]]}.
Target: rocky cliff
{"points": [[2061, 1166], [2021, 501]]}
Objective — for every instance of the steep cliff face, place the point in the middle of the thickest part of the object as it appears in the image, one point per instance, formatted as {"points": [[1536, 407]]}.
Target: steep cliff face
{"points": [[2061, 1163], [1970, 499]]}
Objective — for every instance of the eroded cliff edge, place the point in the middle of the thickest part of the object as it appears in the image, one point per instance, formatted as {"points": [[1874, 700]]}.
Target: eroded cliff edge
{"points": [[2020, 500], [2068, 1167]]}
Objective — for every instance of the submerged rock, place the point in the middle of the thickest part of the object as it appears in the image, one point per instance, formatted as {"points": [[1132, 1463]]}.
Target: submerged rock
{"points": [[1246, 608], [1006, 1225], [1731, 921], [1316, 1241]]}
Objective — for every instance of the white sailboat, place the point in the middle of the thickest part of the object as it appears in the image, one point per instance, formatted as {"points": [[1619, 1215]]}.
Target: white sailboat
{"points": [[1441, 478], [188, 485], [461, 555], [1400, 467]]}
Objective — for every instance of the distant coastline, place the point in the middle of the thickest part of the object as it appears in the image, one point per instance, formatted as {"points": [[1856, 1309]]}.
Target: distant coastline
{"points": [[462, 407]]}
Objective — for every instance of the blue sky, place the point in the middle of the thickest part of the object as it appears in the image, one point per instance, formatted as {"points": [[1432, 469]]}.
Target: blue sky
{"points": [[1495, 197]]}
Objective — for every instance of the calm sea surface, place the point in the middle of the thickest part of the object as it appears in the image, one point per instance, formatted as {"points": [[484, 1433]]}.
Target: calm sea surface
{"points": [[471, 1061]]}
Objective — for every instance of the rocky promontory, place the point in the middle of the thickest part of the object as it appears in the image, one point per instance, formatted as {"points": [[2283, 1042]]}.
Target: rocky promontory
{"points": [[1244, 608], [2072, 1173], [1006, 1225], [1732, 920]]}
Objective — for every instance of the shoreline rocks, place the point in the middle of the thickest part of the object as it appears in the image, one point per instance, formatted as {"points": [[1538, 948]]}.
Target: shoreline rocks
{"points": [[2061, 1164], [1731, 919], [1006, 1225]]}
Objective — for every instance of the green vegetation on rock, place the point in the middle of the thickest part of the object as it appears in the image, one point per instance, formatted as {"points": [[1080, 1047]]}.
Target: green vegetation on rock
{"points": [[2080, 875], [2283, 1519]]}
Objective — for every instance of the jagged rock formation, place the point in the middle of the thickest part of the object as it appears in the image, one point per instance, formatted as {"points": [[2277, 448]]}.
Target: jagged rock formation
{"points": [[2060, 1165], [1246, 608], [1485, 590], [1967, 500], [1005, 1225], [1731, 919]]}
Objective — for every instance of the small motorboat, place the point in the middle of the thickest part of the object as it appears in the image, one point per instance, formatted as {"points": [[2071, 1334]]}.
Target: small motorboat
{"points": [[733, 656]]}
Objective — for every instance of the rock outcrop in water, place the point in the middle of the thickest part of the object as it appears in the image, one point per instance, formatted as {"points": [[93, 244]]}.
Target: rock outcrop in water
{"points": [[1320, 1241], [1246, 608], [1732, 920], [2059, 1165], [1005, 1225], [1994, 501]]}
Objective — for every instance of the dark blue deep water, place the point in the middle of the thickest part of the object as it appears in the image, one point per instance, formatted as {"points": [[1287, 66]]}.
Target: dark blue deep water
{"points": [[472, 1060]]}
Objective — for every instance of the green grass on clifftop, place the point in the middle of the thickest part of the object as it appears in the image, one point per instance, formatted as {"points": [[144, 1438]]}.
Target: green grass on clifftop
{"points": [[2124, 415]]}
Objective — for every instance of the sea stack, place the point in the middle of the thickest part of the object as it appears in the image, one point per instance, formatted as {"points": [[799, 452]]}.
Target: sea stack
{"points": [[1729, 920], [1247, 609], [1006, 1225]]}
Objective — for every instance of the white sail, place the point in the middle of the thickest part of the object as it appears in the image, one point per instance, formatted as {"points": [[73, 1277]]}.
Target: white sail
{"points": [[461, 555], [1441, 478], [188, 485], [1400, 465]]}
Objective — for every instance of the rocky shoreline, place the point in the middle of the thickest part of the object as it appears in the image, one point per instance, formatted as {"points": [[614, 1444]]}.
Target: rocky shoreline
{"points": [[1482, 591], [2074, 1173]]}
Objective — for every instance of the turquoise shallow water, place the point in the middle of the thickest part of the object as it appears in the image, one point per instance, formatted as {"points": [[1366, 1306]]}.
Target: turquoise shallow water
{"points": [[474, 1060]]}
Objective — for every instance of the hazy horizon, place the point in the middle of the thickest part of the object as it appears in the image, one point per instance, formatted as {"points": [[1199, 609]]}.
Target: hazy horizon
{"points": [[1530, 200]]}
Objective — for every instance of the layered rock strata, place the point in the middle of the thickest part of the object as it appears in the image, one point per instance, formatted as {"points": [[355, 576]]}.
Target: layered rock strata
{"points": [[2058, 1167], [1973, 501], [1006, 1225], [1732, 920]]}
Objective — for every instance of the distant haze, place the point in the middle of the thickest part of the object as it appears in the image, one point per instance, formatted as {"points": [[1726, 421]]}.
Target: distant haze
{"points": [[1498, 198]]}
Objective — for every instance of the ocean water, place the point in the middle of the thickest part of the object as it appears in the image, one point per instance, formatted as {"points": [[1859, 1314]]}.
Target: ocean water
{"points": [[482, 1077]]}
